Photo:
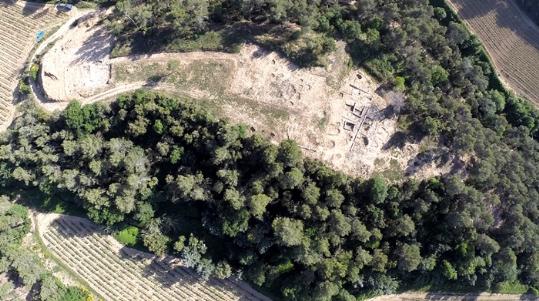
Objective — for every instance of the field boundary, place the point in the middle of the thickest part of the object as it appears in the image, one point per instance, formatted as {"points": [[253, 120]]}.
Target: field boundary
{"points": [[47, 253], [122, 273], [503, 85], [502, 76]]}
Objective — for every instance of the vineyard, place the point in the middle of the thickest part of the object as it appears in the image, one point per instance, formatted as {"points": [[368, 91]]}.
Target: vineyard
{"points": [[511, 39], [119, 273], [19, 24]]}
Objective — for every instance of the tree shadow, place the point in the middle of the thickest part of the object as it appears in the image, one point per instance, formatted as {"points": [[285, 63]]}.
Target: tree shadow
{"points": [[448, 296], [30, 8], [169, 271], [6, 3], [424, 159], [399, 140], [72, 226], [96, 47]]}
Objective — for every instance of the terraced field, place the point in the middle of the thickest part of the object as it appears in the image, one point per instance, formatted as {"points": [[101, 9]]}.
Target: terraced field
{"points": [[511, 39], [19, 23], [119, 273]]}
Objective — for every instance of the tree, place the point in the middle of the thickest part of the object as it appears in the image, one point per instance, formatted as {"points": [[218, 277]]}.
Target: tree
{"points": [[83, 119], [311, 193], [339, 224], [154, 240], [505, 265], [359, 231], [27, 265], [51, 289], [184, 17], [289, 153], [6, 291], [291, 179], [379, 261], [449, 271], [289, 232], [382, 284], [410, 257], [189, 187], [440, 13], [377, 190], [334, 198], [234, 199], [258, 204], [128, 236], [223, 270], [404, 226], [145, 213], [253, 199]]}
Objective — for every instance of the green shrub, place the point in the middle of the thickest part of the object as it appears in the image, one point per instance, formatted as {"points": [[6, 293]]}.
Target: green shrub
{"points": [[34, 71], [24, 88], [511, 287], [128, 236], [73, 293]]}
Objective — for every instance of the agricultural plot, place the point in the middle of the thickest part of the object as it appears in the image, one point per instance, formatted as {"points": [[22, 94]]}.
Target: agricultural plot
{"points": [[19, 23], [511, 39], [119, 273]]}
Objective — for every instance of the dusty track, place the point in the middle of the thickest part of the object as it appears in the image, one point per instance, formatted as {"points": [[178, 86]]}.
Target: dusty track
{"points": [[412, 296], [511, 39]]}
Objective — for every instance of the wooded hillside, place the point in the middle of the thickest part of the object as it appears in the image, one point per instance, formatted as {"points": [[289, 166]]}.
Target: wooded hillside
{"points": [[227, 202]]}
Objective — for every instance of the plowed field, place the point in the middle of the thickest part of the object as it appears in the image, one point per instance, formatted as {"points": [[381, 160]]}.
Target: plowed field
{"points": [[511, 39], [19, 23], [120, 273]]}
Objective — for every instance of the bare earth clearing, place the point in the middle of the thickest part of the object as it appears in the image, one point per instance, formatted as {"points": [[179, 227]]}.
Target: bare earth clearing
{"points": [[19, 23], [120, 273], [511, 39], [336, 114]]}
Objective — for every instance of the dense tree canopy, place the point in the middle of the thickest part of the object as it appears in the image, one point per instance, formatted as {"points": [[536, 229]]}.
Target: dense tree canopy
{"points": [[225, 201]]}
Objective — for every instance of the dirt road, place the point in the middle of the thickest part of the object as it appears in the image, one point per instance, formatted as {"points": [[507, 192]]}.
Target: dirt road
{"points": [[416, 296]]}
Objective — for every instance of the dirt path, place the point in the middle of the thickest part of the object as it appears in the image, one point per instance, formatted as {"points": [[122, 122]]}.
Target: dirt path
{"points": [[416, 296]]}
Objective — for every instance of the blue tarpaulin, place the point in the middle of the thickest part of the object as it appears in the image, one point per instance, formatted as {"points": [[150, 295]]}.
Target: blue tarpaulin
{"points": [[64, 7], [39, 36]]}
